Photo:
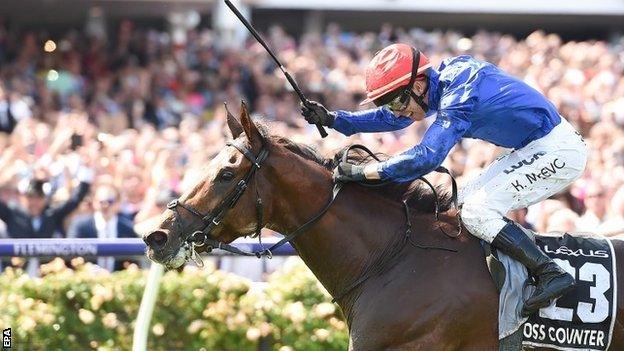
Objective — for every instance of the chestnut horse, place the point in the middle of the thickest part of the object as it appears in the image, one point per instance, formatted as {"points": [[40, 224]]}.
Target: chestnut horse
{"points": [[394, 296]]}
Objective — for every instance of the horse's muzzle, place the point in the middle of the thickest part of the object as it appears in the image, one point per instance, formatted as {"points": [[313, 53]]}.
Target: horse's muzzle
{"points": [[156, 240]]}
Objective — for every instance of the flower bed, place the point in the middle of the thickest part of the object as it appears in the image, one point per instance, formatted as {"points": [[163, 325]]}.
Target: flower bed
{"points": [[83, 307]]}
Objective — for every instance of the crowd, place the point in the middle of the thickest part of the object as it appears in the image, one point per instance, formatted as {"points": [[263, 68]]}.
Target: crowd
{"points": [[134, 116]]}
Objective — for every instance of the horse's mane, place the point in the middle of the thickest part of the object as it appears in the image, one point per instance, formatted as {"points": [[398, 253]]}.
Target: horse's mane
{"points": [[421, 198]]}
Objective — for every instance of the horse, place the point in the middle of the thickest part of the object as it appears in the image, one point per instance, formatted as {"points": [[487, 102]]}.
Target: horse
{"points": [[395, 294]]}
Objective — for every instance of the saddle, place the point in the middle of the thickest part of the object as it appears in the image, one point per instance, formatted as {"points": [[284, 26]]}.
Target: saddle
{"points": [[582, 319]]}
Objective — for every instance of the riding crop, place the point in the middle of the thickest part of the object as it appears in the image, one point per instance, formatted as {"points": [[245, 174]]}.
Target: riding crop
{"points": [[290, 79]]}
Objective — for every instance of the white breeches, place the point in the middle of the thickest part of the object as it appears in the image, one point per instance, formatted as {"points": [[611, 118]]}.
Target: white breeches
{"points": [[522, 178]]}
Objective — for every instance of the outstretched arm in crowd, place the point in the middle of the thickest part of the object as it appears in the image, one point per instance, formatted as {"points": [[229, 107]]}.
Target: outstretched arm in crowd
{"points": [[157, 177], [10, 162], [5, 211], [85, 177]]}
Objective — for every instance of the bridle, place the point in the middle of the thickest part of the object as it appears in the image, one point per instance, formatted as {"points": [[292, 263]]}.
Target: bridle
{"points": [[203, 238]]}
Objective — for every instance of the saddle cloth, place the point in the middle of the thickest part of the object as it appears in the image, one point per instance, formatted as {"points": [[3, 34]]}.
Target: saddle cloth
{"points": [[580, 320]]}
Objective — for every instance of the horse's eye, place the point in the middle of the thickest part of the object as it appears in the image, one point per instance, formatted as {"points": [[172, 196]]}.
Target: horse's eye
{"points": [[226, 175]]}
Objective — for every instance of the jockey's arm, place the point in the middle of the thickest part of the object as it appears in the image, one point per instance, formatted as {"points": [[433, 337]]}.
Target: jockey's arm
{"points": [[439, 139], [379, 119]]}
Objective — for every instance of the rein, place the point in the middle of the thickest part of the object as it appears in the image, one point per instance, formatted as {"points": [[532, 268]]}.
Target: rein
{"points": [[203, 238], [380, 264], [433, 190]]}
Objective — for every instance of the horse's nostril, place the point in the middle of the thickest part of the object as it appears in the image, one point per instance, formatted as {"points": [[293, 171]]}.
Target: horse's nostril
{"points": [[156, 240]]}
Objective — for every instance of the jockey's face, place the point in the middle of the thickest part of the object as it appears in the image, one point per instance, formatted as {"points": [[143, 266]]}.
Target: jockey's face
{"points": [[413, 110]]}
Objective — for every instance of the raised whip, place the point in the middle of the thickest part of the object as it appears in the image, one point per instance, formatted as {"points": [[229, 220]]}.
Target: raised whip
{"points": [[290, 79]]}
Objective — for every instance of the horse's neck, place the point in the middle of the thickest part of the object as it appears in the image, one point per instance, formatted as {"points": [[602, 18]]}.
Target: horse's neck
{"points": [[338, 248]]}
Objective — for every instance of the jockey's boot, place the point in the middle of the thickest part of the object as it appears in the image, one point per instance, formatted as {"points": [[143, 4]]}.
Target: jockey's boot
{"points": [[552, 280]]}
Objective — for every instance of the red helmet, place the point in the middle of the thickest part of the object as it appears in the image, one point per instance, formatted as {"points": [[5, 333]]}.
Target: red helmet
{"points": [[391, 68]]}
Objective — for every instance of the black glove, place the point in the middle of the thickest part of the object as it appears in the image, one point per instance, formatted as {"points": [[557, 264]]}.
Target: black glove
{"points": [[316, 113], [347, 172]]}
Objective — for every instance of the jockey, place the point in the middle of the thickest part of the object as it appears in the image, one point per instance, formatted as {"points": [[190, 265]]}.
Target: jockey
{"points": [[468, 98]]}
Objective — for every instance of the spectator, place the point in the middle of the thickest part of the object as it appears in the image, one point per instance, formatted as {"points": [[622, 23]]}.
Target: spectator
{"points": [[563, 220], [595, 208], [615, 224], [106, 222], [13, 108], [520, 217], [538, 214], [36, 217], [150, 115]]}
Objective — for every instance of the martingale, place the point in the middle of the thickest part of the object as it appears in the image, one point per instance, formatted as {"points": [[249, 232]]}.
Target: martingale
{"points": [[584, 318]]}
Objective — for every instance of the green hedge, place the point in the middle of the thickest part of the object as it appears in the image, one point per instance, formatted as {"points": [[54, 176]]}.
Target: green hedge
{"points": [[83, 307]]}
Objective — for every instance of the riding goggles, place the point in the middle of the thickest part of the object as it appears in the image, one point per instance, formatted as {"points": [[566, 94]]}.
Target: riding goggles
{"points": [[399, 103]]}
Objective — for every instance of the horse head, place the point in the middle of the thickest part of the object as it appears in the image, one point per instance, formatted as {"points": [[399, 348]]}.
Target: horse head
{"points": [[235, 197]]}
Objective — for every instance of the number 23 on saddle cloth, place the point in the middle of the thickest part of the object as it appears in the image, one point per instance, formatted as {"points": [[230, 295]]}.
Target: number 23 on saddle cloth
{"points": [[580, 320]]}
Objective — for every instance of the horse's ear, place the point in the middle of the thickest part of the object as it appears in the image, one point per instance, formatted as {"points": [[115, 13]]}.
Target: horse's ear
{"points": [[250, 128], [235, 126]]}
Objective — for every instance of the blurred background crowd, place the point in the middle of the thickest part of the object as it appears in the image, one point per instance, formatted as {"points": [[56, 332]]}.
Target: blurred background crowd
{"points": [[100, 132]]}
